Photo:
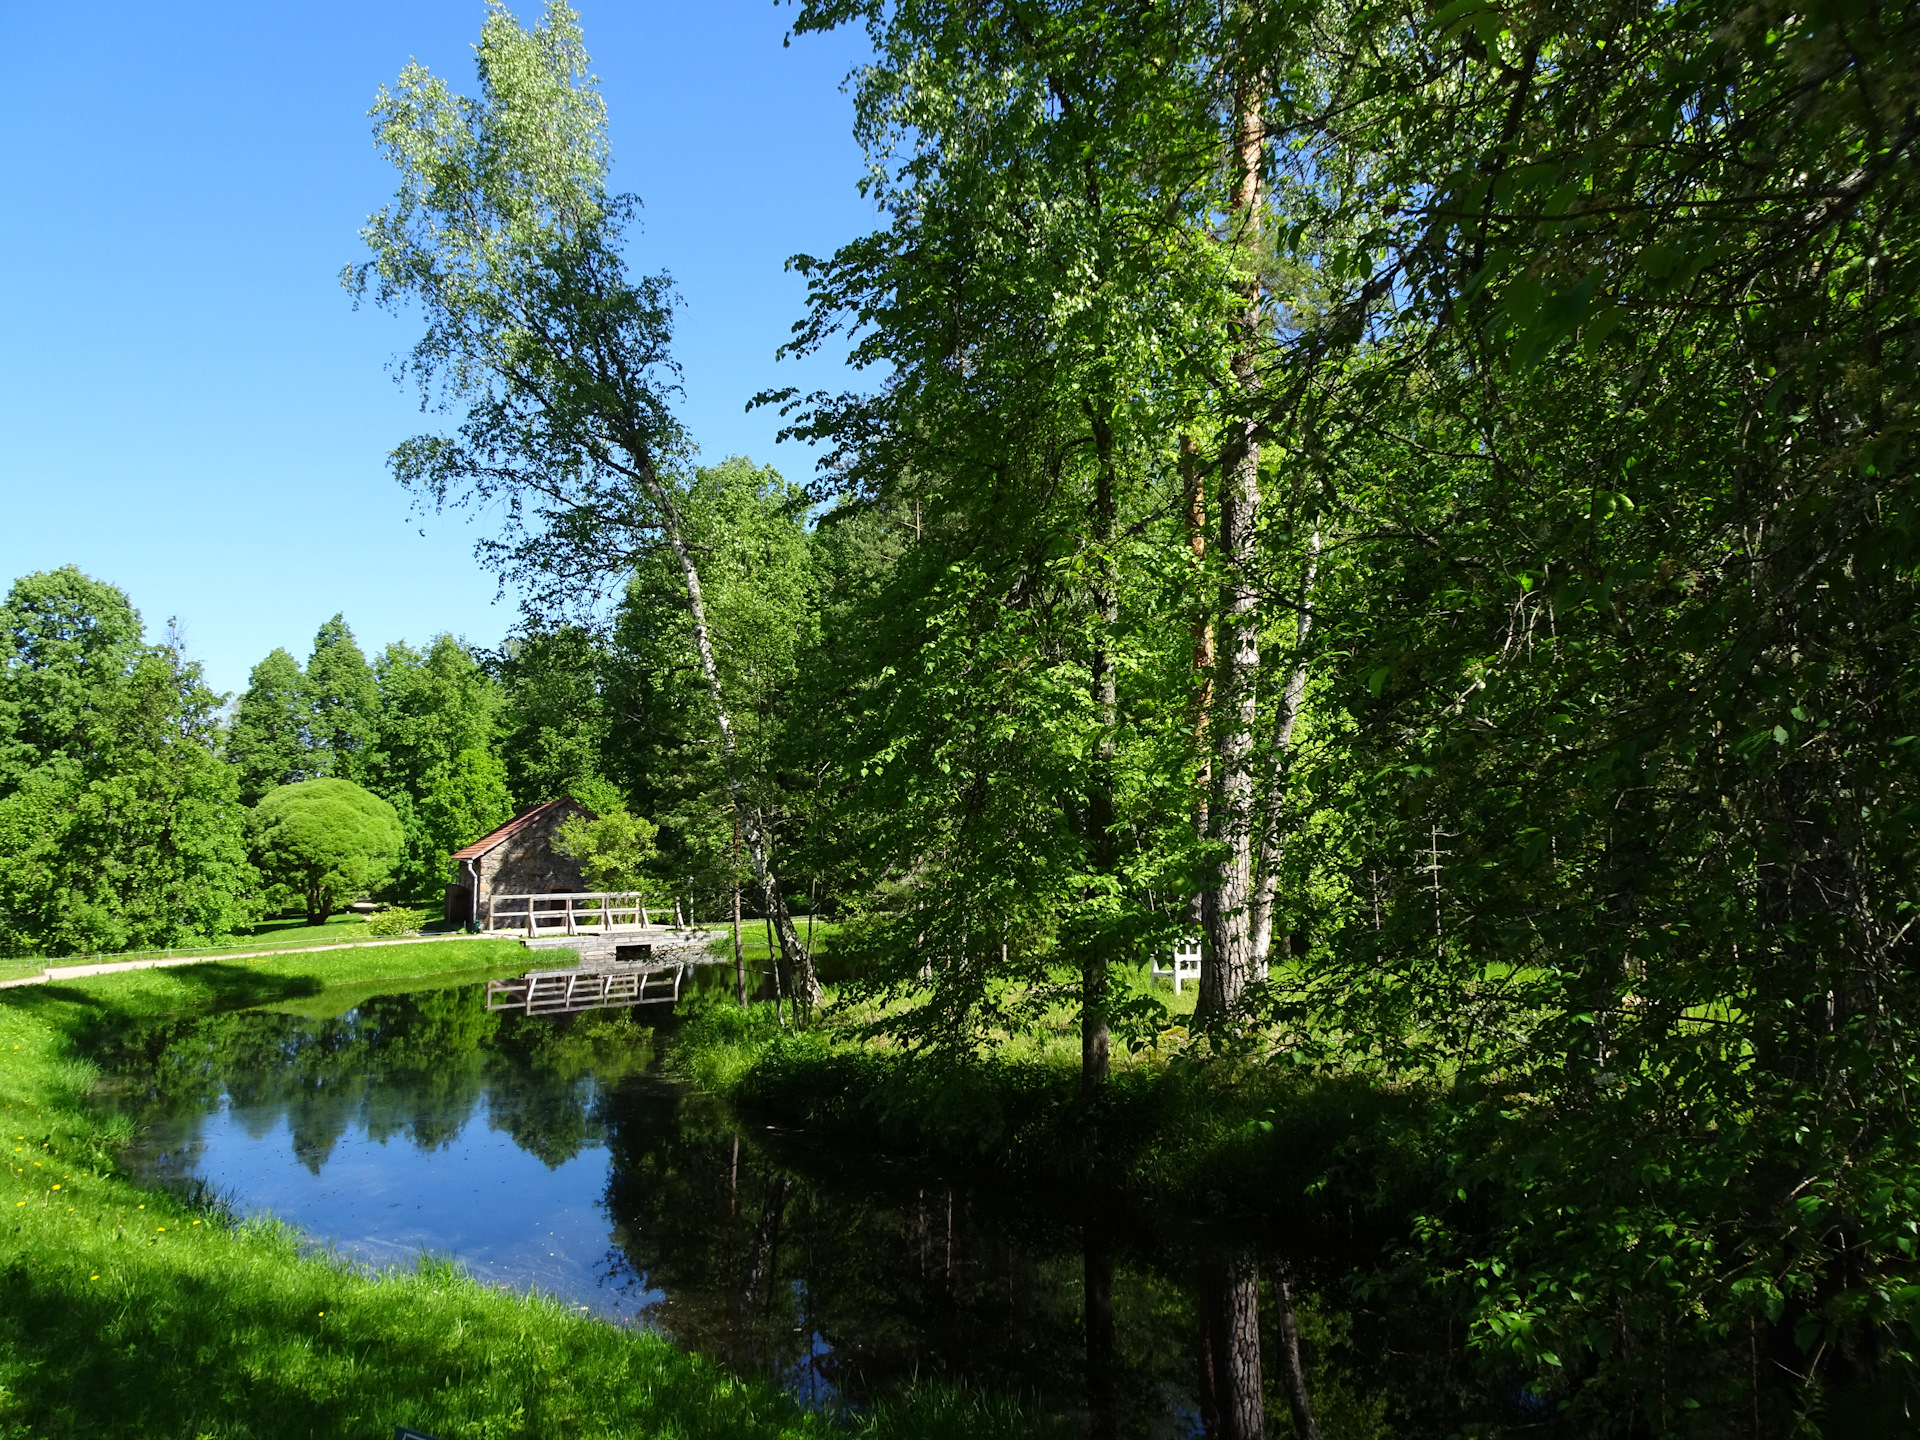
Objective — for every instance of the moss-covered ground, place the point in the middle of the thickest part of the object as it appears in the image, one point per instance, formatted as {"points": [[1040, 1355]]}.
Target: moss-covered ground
{"points": [[126, 1311]]}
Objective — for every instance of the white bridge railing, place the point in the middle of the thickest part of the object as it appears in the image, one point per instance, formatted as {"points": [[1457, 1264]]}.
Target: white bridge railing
{"points": [[594, 912]]}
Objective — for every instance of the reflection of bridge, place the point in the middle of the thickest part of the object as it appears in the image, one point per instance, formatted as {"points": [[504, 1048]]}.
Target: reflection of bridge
{"points": [[590, 987], [626, 958]]}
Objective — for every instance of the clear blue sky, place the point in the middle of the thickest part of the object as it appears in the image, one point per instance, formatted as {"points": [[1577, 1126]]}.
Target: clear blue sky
{"points": [[189, 406]]}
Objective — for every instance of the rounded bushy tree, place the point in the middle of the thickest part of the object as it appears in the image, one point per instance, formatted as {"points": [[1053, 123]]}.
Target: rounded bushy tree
{"points": [[326, 840]]}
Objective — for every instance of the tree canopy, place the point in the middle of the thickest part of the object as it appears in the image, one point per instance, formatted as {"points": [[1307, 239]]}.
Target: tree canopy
{"points": [[325, 841]]}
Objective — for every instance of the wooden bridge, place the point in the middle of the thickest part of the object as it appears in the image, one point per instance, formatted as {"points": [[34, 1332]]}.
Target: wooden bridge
{"points": [[585, 912]]}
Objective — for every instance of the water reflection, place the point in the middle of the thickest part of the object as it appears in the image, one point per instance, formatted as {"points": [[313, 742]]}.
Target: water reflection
{"points": [[544, 1152]]}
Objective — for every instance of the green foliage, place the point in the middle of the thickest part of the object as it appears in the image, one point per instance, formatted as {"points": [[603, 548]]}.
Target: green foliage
{"points": [[269, 741], [615, 850], [1582, 374], [748, 525], [1320, 1154], [119, 825], [505, 236], [393, 920], [343, 705], [326, 841], [64, 637], [435, 759], [555, 722]]}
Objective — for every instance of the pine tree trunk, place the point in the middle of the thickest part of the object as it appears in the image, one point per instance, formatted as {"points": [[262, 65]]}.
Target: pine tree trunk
{"points": [[1227, 959]]}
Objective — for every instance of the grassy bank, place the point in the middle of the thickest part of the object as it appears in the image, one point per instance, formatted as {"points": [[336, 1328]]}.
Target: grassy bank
{"points": [[129, 1312]]}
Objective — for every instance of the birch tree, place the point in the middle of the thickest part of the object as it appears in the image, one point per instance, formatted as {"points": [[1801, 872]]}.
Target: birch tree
{"points": [[505, 237]]}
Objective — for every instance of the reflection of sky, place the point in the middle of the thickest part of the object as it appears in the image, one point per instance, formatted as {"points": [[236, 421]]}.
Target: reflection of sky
{"points": [[503, 1213]]}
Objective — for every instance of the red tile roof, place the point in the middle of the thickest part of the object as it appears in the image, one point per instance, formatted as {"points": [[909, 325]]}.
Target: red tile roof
{"points": [[514, 826]]}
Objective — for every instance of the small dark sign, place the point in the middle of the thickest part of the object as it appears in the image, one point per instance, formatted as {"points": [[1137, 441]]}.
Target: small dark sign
{"points": [[631, 954], [401, 1432]]}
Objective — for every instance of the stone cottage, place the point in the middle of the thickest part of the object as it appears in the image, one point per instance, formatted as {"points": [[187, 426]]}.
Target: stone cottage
{"points": [[516, 859]]}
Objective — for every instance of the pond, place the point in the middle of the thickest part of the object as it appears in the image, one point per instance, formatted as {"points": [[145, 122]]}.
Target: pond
{"points": [[549, 1153]]}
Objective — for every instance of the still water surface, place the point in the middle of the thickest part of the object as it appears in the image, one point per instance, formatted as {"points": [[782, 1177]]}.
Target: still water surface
{"points": [[548, 1153]]}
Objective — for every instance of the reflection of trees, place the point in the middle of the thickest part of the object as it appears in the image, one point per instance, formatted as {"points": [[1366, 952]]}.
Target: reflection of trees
{"points": [[842, 1284], [410, 1067], [889, 1284], [1230, 1398]]}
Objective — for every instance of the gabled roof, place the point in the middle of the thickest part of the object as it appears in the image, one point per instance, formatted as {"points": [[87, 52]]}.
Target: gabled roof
{"points": [[494, 838]]}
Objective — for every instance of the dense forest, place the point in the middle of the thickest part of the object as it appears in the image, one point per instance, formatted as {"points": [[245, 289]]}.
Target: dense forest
{"points": [[1422, 500]]}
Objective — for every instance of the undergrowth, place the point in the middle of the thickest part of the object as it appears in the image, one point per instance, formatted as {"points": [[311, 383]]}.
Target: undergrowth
{"points": [[1343, 1156]]}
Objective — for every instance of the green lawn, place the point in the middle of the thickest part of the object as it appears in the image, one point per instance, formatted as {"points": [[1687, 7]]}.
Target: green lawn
{"points": [[287, 934]]}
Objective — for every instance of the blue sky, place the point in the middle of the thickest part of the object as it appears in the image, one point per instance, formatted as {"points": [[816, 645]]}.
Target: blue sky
{"points": [[189, 406]]}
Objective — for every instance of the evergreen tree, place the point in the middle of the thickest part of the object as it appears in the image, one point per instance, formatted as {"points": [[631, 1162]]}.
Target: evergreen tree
{"points": [[435, 761], [343, 704], [555, 718], [269, 743]]}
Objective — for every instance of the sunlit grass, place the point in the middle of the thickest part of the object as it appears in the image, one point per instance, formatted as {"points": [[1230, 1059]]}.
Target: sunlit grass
{"points": [[270, 935]]}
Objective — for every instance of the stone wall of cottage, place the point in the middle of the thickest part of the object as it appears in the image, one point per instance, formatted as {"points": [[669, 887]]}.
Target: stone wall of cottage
{"points": [[524, 864], [527, 863]]}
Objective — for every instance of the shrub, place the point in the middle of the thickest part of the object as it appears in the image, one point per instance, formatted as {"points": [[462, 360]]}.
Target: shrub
{"points": [[394, 920]]}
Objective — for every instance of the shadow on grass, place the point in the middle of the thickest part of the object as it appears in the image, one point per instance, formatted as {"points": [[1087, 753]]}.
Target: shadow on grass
{"points": [[89, 1013], [241, 1349]]}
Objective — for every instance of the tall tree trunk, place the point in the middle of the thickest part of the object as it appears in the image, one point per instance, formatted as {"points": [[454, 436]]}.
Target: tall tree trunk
{"points": [[1196, 497], [739, 955], [1295, 1374], [1103, 841], [806, 984], [1227, 959], [1230, 1348], [1273, 839], [1103, 1412]]}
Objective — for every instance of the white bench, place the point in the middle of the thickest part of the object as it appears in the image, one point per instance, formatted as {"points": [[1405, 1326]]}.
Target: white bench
{"points": [[1185, 966]]}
